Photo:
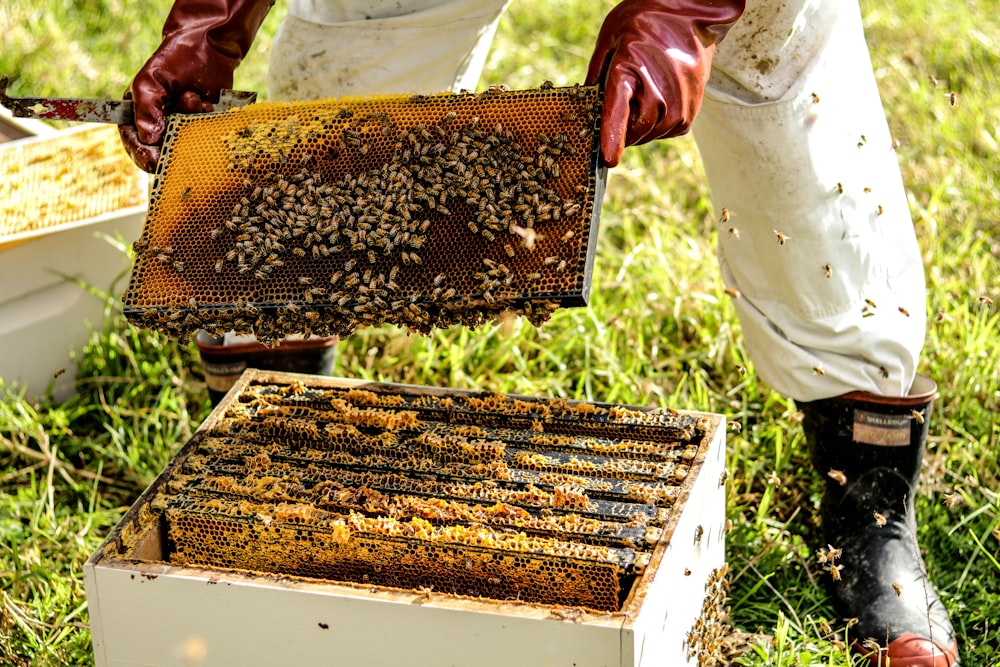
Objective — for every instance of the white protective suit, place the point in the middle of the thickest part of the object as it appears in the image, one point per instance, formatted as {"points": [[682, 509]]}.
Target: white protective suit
{"points": [[794, 140]]}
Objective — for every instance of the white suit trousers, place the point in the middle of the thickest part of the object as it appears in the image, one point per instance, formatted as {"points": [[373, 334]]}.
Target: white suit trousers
{"points": [[817, 241]]}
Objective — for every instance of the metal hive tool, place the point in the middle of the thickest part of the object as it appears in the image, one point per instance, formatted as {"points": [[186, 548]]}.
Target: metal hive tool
{"points": [[487, 495], [420, 211]]}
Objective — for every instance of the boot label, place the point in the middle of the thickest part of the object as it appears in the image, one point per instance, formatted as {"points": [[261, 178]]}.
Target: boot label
{"points": [[872, 428]]}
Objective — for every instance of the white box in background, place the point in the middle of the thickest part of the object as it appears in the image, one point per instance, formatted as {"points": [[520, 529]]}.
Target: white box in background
{"points": [[46, 310]]}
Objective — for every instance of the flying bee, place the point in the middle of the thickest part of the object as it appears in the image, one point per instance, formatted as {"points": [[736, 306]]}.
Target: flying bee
{"points": [[735, 426], [781, 237], [879, 519], [699, 532], [918, 416], [734, 232], [725, 215], [834, 571], [879, 210], [899, 589], [904, 311], [884, 371], [952, 98], [827, 270], [840, 188], [741, 370], [871, 304], [837, 475], [818, 370], [815, 98], [862, 141], [732, 292]]}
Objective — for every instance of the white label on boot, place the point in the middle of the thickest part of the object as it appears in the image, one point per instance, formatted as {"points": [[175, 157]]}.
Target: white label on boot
{"points": [[872, 428]]}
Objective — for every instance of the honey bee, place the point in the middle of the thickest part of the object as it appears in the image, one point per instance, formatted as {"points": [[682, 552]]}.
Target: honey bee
{"points": [[952, 98], [781, 237], [879, 519], [815, 98], [896, 587], [986, 301], [725, 215], [185, 194], [818, 370], [837, 475], [871, 304], [834, 571], [904, 311], [736, 426], [827, 270], [918, 416]]}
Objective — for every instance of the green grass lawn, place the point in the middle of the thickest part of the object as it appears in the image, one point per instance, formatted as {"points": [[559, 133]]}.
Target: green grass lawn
{"points": [[659, 331]]}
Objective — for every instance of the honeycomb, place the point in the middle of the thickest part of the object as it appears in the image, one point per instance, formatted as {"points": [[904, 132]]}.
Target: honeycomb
{"points": [[315, 218], [69, 177], [539, 500]]}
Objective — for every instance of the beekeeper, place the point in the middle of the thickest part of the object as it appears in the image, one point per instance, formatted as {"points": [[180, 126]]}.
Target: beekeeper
{"points": [[816, 242]]}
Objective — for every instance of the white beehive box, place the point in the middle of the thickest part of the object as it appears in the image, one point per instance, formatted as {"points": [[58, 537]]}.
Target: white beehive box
{"points": [[145, 610], [45, 272]]}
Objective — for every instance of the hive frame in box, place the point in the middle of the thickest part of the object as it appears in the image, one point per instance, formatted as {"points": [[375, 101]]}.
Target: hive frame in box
{"points": [[228, 617]]}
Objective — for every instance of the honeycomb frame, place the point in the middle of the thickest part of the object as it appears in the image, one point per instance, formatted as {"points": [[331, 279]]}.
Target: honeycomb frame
{"points": [[315, 218], [403, 477]]}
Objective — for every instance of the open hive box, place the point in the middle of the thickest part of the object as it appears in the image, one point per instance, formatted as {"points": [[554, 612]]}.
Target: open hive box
{"points": [[422, 211], [319, 520], [66, 198]]}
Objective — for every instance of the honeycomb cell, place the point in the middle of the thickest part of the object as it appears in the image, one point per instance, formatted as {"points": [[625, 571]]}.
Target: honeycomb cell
{"points": [[420, 211]]}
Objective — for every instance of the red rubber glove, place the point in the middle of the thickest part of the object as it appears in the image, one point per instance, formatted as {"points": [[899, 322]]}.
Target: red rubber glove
{"points": [[203, 43], [657, 55]]}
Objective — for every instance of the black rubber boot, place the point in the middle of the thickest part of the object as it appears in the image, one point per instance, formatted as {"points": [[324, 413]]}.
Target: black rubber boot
{"points": [[869, 449]]}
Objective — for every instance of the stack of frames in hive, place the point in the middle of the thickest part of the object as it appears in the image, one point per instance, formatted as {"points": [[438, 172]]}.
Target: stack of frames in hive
{"points": [[421, 211], [489, 496]]}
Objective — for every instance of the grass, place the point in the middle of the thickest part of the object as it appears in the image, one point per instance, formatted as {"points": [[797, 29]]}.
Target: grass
{"points": [[659, 331]]}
